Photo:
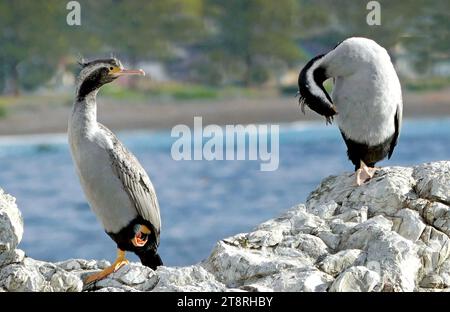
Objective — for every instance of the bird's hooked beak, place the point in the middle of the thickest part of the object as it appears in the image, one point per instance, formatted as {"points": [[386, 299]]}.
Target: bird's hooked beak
{"points": [[117, 72]]}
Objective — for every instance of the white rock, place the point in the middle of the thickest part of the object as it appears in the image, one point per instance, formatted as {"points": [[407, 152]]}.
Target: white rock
{"points": [[331, 189], [409, 224], [131, 276], [307, 223], [353, 215], [11, 223], [308, 280], [357, 279], [9, 257], [433, 281], [264, 238], [134, 274], [437, 249], [291, 252], [66, 282], [281, 224], [444, 273], [110, 289], [341, 228], [385, 193], [107, 282], [336, 263], [390, 234], [433, 181], [310, 246], [396, 260], [324, 211], [33, 275], [16, 277], [361, 234], [82, 264], [233, 265], [330, 239], [187, 279], [70, 265], [111, 286], [438, 215]]}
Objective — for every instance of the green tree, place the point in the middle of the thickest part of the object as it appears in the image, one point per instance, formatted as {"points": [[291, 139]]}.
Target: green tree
{"points": [[416, 30], [34, 38], [397, 20], [136, 30], [429, 37], [252, 37], [145, 29]]}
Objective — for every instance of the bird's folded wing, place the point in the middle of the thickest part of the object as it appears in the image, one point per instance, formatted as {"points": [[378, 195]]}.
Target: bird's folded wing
{"points": [[136, 183], [398, 125]]}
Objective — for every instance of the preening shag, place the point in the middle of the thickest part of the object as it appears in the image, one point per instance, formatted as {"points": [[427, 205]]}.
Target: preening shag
{"points": [[116, 186], [366, 100]]}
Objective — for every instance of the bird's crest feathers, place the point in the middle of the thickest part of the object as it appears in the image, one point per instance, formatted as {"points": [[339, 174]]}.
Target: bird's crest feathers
{"points": [[81, 61]]}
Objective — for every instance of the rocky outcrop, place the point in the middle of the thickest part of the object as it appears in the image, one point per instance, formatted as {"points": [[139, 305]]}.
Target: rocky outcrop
{"points": [[11, 224], [391, 234]]}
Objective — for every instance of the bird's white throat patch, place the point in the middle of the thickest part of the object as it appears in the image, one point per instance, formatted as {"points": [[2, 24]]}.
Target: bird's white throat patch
{"points": [[230, 142]]}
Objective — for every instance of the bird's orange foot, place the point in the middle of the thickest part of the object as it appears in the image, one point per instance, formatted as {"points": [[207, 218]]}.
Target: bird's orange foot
{"points": [[364, 174], [120, 262], [141, 237]]}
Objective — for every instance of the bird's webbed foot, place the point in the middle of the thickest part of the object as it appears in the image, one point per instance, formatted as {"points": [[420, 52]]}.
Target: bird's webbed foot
{"points": [[364, 173]]}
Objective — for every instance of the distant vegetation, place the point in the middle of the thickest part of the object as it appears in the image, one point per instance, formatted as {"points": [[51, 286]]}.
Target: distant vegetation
{"points": [[211, 44], [172, 91], [179, 92], [434, 83], [185, 92], [3, 110]]}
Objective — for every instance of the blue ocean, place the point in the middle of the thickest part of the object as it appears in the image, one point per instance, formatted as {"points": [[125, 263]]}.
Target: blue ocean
{"points": [[201, 201]]}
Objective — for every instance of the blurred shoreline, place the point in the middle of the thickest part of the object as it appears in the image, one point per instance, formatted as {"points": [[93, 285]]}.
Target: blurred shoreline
{"points": [[42, 117]]}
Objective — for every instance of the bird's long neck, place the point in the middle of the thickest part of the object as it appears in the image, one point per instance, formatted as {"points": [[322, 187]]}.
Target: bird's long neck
{"points": [[84, 112]]}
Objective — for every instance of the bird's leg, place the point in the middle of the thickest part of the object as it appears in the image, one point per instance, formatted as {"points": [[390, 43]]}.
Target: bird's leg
{"points": [[141, 237], [120, 262], [364, 173]]}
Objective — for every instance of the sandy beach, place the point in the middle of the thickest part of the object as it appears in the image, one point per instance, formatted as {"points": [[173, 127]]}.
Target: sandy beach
{"points": [[32, 118]]}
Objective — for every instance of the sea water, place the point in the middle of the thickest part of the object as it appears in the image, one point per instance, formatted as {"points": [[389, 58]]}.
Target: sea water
{"points": [[201, 201]]}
